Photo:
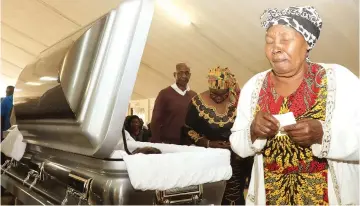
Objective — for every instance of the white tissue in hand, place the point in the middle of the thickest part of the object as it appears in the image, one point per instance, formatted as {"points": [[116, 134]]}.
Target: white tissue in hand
{"points": [[285, 119]]}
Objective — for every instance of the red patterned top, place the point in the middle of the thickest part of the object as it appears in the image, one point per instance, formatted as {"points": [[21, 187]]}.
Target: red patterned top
{"points": [[292, 174]]}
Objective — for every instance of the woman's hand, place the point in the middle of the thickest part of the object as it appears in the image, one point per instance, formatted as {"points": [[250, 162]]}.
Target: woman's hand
{"points": [[305, 132], [219, 144], [264, 126], [204, 142]]}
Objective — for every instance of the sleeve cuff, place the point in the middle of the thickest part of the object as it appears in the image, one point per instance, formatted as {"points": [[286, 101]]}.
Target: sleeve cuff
{"points": [[322, 150], [194, 135], [316, 150], [258, 144]]}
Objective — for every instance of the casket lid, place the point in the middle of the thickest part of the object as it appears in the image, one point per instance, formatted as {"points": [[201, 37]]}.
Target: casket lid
{"points": [[75, 96]]}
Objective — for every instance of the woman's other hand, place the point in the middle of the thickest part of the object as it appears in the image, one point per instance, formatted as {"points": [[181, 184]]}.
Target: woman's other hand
{"points": [[305, 132]]}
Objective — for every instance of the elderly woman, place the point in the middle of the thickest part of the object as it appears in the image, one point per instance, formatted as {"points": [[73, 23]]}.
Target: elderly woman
{"points": [[210, 117], [316, 160]]}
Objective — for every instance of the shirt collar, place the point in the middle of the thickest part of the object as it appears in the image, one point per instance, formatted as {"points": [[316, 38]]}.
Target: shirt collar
{"points": [[178, 90]]}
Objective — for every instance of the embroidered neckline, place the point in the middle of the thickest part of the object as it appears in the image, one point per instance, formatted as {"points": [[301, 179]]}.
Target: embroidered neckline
{"points": [[214, 108], [210, 114]]}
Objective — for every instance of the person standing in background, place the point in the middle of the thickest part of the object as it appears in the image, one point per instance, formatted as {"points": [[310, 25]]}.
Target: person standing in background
{"points": [[6, 108], [134, 125], [170, 108], [208, 123]]}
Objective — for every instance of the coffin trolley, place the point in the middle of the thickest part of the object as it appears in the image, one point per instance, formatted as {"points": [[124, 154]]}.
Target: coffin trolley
{"points": [[77, 151]]}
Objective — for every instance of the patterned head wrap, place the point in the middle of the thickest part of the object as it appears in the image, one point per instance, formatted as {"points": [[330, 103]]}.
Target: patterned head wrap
{"points": [[305, 20], [222, 78]]}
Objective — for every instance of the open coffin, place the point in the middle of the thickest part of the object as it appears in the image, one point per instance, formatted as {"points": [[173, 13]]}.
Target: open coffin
{"points": [[76, 150]]}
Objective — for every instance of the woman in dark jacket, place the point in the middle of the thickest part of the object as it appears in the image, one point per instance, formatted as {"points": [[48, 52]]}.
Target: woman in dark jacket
{"points": [[134, 125]]}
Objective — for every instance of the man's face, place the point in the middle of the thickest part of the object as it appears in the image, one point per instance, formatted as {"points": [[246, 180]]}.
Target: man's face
{"points": [[182, 76], [9, 91]]}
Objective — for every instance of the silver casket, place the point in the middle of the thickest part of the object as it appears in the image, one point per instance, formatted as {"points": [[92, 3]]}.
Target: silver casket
{"points": [[73, 126]]}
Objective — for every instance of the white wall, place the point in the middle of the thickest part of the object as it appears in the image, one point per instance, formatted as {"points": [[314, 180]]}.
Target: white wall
{"points": [[142, 108]]}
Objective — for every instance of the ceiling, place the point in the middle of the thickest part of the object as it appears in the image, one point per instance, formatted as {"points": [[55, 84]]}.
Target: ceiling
{"points": [[225, 33]]}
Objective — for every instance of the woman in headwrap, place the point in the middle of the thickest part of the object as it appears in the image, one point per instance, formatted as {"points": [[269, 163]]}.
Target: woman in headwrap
{"points": [[316, 160], [210, 117]]}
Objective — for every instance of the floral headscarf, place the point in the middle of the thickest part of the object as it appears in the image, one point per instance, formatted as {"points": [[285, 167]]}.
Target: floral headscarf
{"points": [[222, 78]]}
